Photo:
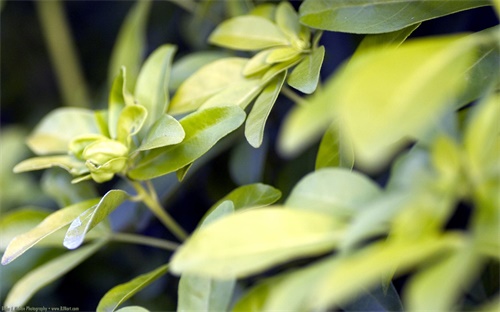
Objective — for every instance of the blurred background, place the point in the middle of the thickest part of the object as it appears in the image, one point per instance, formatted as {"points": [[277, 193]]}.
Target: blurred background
{"points": [[83, 35]]}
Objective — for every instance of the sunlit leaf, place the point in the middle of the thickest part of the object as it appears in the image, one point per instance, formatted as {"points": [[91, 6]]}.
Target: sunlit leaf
{"points": [[165, 131], [88, 219], [252, 195], [49, 225], [265, 10], [305, 76], [334, 150], [377, 16], [203, 129], [121, 293], [199, 293], [254, 299], [239, 94], [119, 97], [388, 39], [257, 63], [248, 32], [15, 223], [55, 131], [151, 90], [287, 20], [130, 44], [339, 192], [207, 81], [48, 272], [256, 121], [282, 54], [68, 163], [132, 309], [231, 247], [130, 122]]}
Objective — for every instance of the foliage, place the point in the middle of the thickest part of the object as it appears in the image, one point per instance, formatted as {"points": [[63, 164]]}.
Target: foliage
{"points": [[423, 111]]}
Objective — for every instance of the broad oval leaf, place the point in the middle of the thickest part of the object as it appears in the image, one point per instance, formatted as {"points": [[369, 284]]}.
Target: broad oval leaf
{"points": [[240, 94], [206, 82], [257, 63], [305, 76], [54, 132], [337, 191], [48, 272], [377, 16], [256, 121], [334, 150], [121, 293], [151, 89], [130, 122], [248, 33], [49, 225], [233, 247], [165, 131], [282, 54], [203, 129], [287, 20], [91, 217]]}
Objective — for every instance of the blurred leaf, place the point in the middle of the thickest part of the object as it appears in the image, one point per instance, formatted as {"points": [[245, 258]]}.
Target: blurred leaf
{"points": [[379, 299], [256, 121], [121, 293], [335, 191], [334, 150], [254, 299], [305, 76], [200, 293], [45, 274], [206, 82], [132, 309], [57, 184], [49, 225], [389, 39], [186, 66], [55, 131], [232, 247], [17, 222], [151, 90], [365, 268], [379, 16], [247, 32], [251, 195], [439, 286], [130, 43], [282, 54], [246, 164], [203, 129], [265, 10], [130, 122], [165, 131], [287, 20], [88, 219]]}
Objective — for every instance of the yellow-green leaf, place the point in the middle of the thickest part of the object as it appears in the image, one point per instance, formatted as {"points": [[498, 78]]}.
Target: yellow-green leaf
{"points": [[334, 150], [283, 54], [165, 131], [68, 163], [305, 76]]}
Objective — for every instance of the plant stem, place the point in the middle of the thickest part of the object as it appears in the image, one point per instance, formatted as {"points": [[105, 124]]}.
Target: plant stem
{"points": [[289, 93], [144, 240], [62, 52], [151, 200]]}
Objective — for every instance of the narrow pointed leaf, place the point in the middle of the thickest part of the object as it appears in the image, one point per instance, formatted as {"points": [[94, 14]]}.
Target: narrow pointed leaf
{"points": [[336, 191], [203, 129], [68, 163], [48, 272], [247, 33], [53, 134], [305, 76], [88, 219], [49, 225], [15, 223], [165, 131], [151, 90], [231, 247], [206, 82], [121, 293], [256, 121], [377, 16], [130, 43]]}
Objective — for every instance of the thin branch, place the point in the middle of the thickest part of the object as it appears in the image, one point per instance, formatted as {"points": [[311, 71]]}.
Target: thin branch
{"points": [[144, 240]]}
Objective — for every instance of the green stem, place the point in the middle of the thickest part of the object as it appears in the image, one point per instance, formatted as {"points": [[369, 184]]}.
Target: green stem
{"points": [[289, 93], [151, 200], [63, 53], [144, 240]]}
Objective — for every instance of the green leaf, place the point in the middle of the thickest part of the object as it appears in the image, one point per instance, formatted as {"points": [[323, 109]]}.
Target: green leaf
{"points": [[265, 10], [130, 44], [121, 293], [439, 286], [48, 272], [203, 129], [165, 131], [282, 54], [377, 16], [257, 63], [251, 195], [57, 184], [256, 121], [15, 223], [305, 76], [54, 132], [68, 163], [151, 90], [199, 293], [246, 164], [231, 247], [132, 309], [248, 33], [51, 224], [365, 268], [207, 81], [381, 298], [287, 20], [130, 122], [88, 219], [255, 299], [393, 38], [239, 94], [119, 97], [187, 65], [336, 191], [334, 150]]}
